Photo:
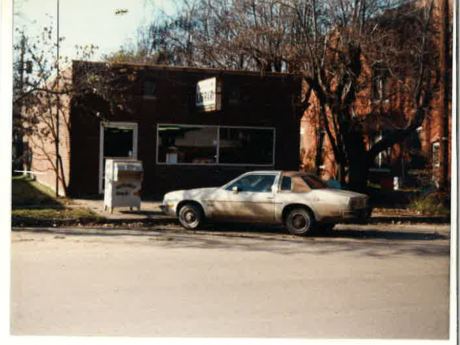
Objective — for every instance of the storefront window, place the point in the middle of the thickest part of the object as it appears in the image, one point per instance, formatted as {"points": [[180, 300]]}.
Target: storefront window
{"points": [[186, 144], [246, 146]]}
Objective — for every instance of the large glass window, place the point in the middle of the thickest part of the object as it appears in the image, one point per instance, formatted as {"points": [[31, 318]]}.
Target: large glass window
{"points": [[186, 144], [246, 146]]}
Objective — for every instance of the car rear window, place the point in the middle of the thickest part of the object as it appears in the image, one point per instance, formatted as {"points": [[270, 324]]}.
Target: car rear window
{"points": [[314, 182]]}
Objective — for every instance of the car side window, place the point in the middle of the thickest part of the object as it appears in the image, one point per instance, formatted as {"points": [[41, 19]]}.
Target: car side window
{"points": [[254, 183], [286, 183]]}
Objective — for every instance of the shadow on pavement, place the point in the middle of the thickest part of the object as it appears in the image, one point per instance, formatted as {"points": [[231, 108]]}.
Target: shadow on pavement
{"points": [[371, 243], [146, 214], [256, 232]]}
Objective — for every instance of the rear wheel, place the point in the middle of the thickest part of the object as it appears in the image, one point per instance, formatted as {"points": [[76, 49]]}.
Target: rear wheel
{"points": [[299, 222], [190, 216]]}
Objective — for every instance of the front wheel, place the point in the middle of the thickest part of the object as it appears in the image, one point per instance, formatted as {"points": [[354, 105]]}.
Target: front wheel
{"points": [[299, 222], [190, 216]]}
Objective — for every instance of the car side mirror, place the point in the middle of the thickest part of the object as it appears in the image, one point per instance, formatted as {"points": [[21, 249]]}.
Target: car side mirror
{"points": [[235, 190]]}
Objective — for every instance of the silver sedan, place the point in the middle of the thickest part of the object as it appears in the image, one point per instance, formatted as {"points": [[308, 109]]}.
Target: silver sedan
{"points": [[299, 201]]}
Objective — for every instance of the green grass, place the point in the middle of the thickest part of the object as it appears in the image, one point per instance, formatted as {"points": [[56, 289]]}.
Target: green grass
{"points": [[25, 191], [52, 213], [35, 204]]}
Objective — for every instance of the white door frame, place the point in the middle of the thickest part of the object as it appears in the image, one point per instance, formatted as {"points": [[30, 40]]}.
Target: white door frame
{"points": [[114, 124]]}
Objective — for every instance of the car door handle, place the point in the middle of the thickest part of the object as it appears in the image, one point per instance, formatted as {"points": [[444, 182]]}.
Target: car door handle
{"points": [[271, 197]]}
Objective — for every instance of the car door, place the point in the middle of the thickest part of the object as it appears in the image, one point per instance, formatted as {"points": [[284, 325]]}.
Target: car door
{"points": [[249, 198]]}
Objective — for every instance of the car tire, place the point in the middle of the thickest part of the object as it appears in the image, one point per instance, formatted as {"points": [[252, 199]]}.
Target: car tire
{"points": [[299, 222], [190, 216]]}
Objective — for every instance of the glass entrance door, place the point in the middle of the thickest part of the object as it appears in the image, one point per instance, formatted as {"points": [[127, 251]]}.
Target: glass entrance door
{"points": [[118, 140]]}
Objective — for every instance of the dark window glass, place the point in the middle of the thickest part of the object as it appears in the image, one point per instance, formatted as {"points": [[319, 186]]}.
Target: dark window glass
{"points": [[234, 95], [149, 88], [246, 146], [382, 160], [254, 183], [183, 144], [118, 142], [286, 183], [314, 182]]}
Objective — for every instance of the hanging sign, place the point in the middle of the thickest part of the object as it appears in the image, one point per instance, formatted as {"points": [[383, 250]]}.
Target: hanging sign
{"points": [[209, 95]]}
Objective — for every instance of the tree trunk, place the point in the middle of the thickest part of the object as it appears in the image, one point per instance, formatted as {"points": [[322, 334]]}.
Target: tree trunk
{"points": [[358, 174], [444, 96], [358, 166]]}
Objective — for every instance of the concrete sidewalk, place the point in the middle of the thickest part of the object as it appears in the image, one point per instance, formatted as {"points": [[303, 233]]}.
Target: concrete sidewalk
{"points": [[150, 209]]}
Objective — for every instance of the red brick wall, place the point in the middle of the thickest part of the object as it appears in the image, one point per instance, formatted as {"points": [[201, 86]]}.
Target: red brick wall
{"points": [[41, 142]]}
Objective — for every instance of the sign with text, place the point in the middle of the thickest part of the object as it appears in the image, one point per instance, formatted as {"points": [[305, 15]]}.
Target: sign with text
{"points": [[209, 95]]}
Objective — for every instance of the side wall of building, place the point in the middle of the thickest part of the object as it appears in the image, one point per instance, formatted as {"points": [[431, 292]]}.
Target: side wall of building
{"points": [[41, 142]]}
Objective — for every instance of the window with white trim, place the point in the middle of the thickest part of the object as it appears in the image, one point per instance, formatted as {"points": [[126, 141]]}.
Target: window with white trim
{"points": [[187, 144], [382, 159], [224, 145], [149, 89], [435, 154]]}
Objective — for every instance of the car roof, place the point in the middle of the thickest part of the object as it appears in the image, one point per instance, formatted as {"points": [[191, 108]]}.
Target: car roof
{"points": [[264, 172], [284, 172], [291, 173], [296, 173]]}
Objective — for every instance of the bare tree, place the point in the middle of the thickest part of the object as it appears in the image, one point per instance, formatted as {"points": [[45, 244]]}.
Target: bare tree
{"points": [[42, 95], [340, 48]]}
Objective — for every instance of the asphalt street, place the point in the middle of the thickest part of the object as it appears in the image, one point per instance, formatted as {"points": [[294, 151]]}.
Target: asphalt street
{"points": [[375, 281]]}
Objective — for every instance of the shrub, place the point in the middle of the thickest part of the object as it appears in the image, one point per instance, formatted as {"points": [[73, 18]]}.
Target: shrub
{"points": [[434, 203]]}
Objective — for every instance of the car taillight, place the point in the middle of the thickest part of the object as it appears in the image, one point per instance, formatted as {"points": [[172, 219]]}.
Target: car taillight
{"points": [[358, 203]]}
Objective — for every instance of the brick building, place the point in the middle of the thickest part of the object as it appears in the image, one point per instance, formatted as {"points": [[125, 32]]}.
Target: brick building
{"points": [[180, 144], [385, 106]]}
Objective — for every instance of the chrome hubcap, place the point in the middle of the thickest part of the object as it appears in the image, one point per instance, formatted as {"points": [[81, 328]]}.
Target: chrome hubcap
{"points": [[190, 217], [299, 222]]}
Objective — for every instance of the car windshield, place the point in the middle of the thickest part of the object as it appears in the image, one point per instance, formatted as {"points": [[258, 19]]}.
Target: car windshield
{"points": [[314, 182]]}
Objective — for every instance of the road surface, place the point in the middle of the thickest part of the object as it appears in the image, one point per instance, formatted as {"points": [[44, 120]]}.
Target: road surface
{"points": [[374, 281]]}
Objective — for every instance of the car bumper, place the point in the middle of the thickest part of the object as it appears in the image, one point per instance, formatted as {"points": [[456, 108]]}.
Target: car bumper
{"points": [[347, 216], [168, 209], [357, 214]]}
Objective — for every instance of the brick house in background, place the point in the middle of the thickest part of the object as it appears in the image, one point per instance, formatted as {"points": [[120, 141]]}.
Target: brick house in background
{"points": [[405, 160], [180, 145]]}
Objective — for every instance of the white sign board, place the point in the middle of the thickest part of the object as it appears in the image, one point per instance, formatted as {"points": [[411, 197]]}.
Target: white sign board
{"points": [[208, 95]]}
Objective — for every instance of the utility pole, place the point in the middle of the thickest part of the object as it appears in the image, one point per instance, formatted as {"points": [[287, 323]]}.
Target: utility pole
{"points": [[444, 94], [21, 65], [57, 105], [17, 136]]}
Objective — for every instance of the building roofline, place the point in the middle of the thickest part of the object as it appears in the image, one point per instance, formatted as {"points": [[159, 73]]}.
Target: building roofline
{"points": [[193, 69]]}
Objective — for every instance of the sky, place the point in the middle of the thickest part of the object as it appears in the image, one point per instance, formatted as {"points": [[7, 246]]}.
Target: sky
{"points": [[85, 22]]}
